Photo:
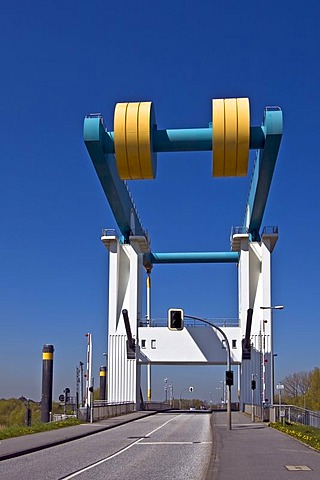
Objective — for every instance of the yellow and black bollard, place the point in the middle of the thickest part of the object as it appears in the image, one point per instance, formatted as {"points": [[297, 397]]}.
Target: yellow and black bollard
{"points": [[103, 373], [47, 382]]}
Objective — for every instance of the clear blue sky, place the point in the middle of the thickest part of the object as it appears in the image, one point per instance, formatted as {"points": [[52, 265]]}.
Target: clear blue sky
{"points": [[62, 60]]}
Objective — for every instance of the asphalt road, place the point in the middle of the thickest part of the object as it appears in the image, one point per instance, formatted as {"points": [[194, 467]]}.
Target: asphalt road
{"points": [[166, 445]]}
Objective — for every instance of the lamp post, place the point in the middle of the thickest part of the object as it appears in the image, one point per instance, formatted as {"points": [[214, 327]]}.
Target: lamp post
{"points": [[276, 307], [81, 383], [263, 366], [274, 355], [219, 396], [223, 386], [106, 355], [171, 393], [149, 325], [229, 373], [165, 390], [180, 398]]}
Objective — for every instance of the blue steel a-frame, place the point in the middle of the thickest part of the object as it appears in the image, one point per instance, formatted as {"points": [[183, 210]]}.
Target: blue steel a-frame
{"points": [[265, 138]]}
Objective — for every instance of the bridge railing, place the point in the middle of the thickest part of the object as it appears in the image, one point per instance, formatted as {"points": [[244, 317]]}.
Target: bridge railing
{"points": [[220, 322], [285, 413], [241, 230], [153, 405], [292, 413], [103, 409]]}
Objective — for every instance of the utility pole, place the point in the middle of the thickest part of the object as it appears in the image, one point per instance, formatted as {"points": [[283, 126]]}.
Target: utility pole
{"points": [[149, 394], [81, 384]]}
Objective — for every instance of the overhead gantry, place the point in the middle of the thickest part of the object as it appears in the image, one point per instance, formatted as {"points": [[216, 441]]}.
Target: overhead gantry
{"points": [[130, 153]]}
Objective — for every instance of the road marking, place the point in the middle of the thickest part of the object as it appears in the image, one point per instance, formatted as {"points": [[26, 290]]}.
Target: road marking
{"points": [[89, 467], [174, 443]]}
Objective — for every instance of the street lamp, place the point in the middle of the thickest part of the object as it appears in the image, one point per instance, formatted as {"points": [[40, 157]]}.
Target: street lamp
{"points": [[180, 398], [276, 307], [229, 372], [165, 390], [106, 355], [274, 355], [224, 391], [219, 396], [171, 393]]}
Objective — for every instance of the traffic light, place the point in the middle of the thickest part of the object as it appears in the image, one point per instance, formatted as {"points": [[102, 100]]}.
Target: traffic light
{"points": [[175, 319], [253, 384], [67, 392], [229, 378]]}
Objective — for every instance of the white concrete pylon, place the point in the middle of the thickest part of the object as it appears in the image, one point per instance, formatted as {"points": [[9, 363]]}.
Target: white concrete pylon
{"points": [[125, 273]]}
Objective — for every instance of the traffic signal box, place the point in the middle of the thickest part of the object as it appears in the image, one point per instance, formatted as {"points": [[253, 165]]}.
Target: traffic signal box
{"points": [[175, 319], [229, 378], [67, 391]]}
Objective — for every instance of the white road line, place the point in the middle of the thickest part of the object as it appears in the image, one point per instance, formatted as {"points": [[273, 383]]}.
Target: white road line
{"points": [[174, 443], [73, 475]]}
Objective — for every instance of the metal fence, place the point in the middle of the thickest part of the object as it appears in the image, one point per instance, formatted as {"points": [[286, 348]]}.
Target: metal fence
{"points": [[102, 409], [284, 413], [291, 413]]}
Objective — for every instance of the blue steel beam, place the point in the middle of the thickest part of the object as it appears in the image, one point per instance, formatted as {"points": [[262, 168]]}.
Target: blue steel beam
{"points": [[193, 257], [185, 140], [263, 171], [115, 189]]}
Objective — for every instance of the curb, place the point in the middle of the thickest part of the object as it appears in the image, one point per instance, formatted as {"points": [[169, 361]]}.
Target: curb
{"points": [[54, 443]]}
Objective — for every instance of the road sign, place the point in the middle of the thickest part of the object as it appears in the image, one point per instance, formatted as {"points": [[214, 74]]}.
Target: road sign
{"points": [[61, 398], [280, 386]]}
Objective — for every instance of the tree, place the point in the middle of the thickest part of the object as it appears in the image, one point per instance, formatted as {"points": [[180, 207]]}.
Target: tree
{"points": [[313, 395], [297, 386]]}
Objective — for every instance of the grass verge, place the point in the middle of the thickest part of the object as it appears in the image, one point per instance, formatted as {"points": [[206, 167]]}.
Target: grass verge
{"points": [[17, 431], [308, 435]]}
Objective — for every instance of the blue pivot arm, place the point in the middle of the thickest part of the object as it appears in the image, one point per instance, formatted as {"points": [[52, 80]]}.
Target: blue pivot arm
{"points": [[115, 189]]}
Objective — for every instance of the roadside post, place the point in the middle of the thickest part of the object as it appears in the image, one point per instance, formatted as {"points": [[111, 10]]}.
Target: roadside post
{"points": [[280, 387], [253, 387]]}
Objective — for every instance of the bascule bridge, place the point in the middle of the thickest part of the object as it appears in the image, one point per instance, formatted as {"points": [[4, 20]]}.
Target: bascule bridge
{"points": [[130, 153]]}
